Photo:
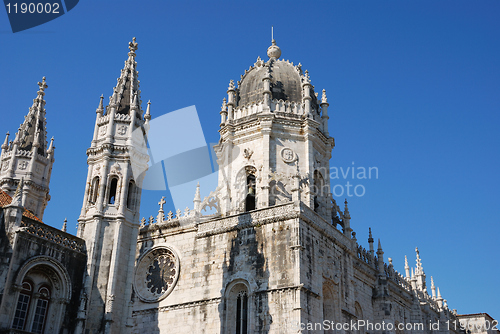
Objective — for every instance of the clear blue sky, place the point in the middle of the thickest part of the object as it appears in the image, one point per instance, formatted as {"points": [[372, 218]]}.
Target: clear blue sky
{"points": [[413, 90]]}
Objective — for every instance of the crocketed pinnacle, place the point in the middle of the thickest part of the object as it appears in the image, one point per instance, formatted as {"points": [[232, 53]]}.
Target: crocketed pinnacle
{"points": [[33, 132], [127, 85]]}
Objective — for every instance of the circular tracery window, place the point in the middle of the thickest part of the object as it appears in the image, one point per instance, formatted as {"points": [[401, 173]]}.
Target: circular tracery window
{"points": [[156, 274]]}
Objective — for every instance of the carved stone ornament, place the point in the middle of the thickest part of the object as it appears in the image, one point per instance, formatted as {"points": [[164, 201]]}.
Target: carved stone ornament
{"points": [[122, 129], [156, 274], [115, 169], [102, 130], [247, 153], [288, 155], [23, 165]]}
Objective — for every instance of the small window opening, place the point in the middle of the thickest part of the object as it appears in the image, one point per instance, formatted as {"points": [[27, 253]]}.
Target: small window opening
{"points": [[242, 313], [22, 307], [130, 196], [94, 190], [112, 190], [250, 197], [41, 310]]}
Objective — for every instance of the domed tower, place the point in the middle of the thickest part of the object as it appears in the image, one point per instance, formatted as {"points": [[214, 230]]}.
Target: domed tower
{"points": [[274, 143]]}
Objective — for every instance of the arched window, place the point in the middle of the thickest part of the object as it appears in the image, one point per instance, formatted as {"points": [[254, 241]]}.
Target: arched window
{"points": [[94, 190], [42, 305], [250, 197], [328, 306], [130, 195], [112, 190], [242, 313], [23, 303], [359, 314], [319, 191], [237, 309]]}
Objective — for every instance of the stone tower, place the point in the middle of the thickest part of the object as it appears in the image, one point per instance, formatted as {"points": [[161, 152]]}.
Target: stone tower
{"points": [[109, 220], [275, 146], [28, 157]]}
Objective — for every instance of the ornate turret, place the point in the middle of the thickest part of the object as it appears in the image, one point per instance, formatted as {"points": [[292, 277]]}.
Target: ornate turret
{"points": [[109, 220], [28, 157], [274, 113]]}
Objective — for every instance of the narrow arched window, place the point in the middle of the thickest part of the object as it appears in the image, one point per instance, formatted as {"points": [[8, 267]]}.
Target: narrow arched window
{"points": [[242, 313], [250, 197], [112, 190], [94, 190], [320, 191], [130, 195], [23, 303], [42, 305]]}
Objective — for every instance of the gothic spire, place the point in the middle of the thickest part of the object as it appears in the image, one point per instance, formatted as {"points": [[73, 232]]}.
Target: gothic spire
{"points": [[5, 144], [127, 85], [17, 199], [35, 123]]}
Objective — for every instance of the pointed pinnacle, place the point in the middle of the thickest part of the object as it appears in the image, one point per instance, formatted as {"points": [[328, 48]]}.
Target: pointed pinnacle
{"points": [[18, 195], [379, 245], [432, 282], [323, 97], [64, 225], [134, 102], [406, 262], [5, 144], [439, 294], [51, 146], [197, 196], [100, 108], [147, 115]]}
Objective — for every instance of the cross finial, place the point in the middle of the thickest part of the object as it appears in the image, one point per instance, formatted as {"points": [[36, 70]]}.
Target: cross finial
{"points": [[161, 203], [42, 85], [133, 46]]}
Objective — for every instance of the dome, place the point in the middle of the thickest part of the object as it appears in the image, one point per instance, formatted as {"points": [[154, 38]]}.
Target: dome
{"points": [[285, 82]]}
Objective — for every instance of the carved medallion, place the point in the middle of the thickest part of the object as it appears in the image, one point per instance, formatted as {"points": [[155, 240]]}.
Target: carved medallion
{"points": [[156, 274], [102, 130], [122, 129], [288, 155], [23, 165]]}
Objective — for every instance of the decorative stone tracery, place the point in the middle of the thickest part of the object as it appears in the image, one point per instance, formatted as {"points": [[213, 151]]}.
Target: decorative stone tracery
{"points": [[156, 274]]}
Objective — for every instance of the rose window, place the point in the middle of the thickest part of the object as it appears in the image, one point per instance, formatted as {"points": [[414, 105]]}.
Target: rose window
{"points": [[156, 274]]}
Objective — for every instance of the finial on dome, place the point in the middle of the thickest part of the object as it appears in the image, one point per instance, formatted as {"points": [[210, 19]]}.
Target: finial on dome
{"points": [[273, 52]]}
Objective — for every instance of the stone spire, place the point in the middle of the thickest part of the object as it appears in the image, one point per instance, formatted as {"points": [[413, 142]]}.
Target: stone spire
{"points": [[65, 225], [370, 240], [17, 199], [127, 85], [433, 288], [33, 130], [28, 157], [407, 268], [380, 258], [419, 273]]}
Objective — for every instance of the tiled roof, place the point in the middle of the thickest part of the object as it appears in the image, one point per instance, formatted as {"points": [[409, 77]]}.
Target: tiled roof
{"points": [[5, 199]]}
